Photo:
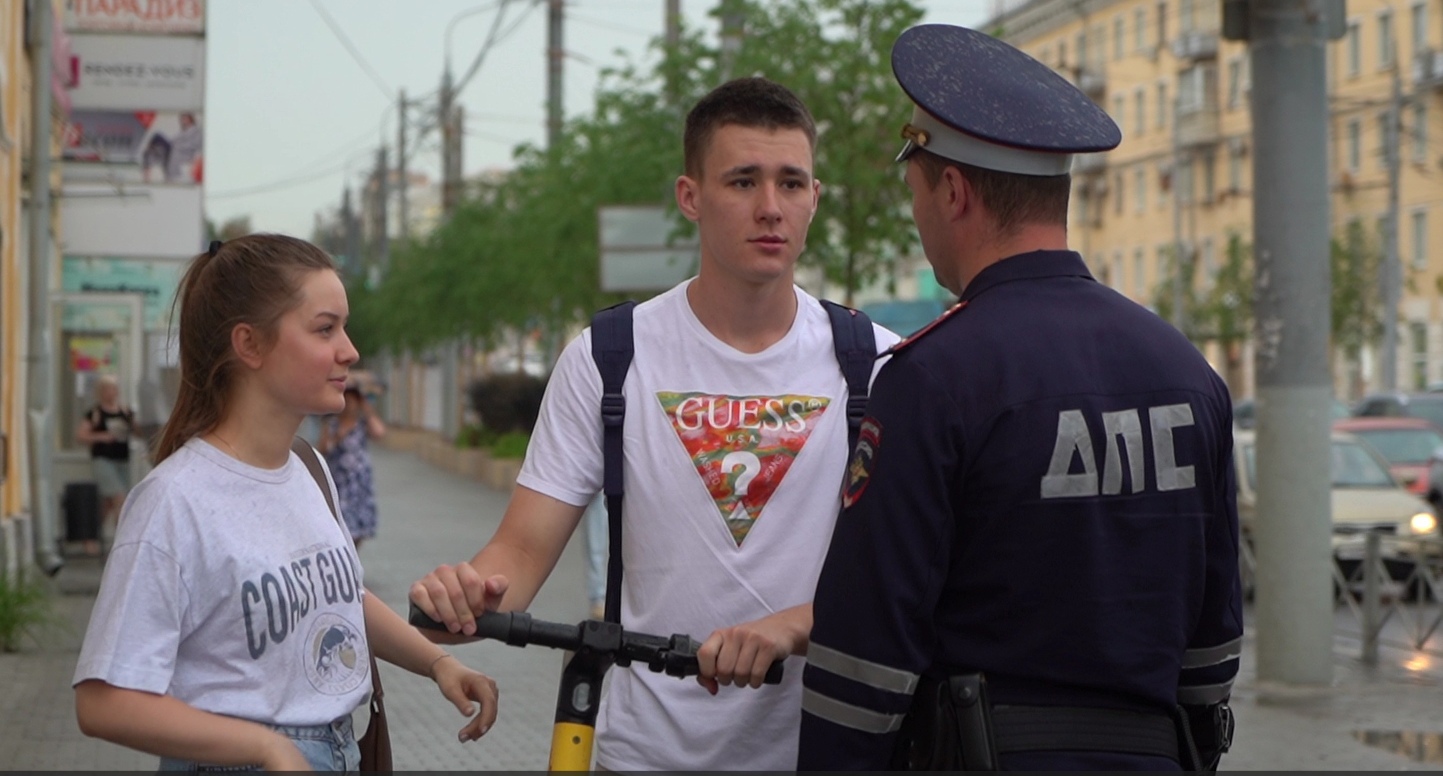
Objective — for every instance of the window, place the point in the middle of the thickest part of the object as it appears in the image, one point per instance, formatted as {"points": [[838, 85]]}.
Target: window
{"points": [[1061, 54], [1185, 13], [1139, 33], [1192, 88], [1355, 144], [1161, 22], [1420, 29], [1420, 131], [1385, 39], [1082, 49], [1354, 42], [1119, 35], [1182, 179], [1209, 261], [1235, 170], [1420, 239], [1115, 279], [1163, 268], [1139, 100], [1119, 104], [1117, 192], [1162, 107], [1209, 177], [1385, 138], [1162, 174], [1045, 55], [1419, 335], [1139, 269], [1235, 82], [1139, 182]]}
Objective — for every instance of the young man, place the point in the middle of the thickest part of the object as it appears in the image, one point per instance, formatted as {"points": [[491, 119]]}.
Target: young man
{"points": [[734, 455], [1042, 505]]}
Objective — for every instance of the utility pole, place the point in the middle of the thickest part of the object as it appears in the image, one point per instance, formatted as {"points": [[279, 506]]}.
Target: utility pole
{"points": [[1392, 280], [402, 183], [450, 147], [350, 235], [673, 24], [383, 196], [733, 29], [1292, 288], [555, 52], [40, 385]]}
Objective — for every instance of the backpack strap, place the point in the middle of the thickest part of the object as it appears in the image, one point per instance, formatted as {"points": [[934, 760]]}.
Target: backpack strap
{"points": [[856, 346], [612, 349]]}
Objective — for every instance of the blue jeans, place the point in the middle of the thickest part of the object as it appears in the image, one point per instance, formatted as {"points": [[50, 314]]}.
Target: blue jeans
{"points": [[326, 747], [596, 546]]}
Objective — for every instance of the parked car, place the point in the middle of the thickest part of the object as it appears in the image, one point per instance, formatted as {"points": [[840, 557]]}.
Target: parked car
{"points": [[1245, 412], [1407, 444], [1397, 404], [1365, 498]]}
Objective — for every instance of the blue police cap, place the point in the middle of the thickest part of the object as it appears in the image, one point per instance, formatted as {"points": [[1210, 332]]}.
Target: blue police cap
{"points": [[982, 102]]}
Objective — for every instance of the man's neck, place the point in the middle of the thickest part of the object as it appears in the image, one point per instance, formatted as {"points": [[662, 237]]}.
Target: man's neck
{"points": [[1034, 237], [750, 318]]}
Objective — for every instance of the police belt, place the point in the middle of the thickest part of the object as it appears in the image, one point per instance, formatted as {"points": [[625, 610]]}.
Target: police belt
{"points": [[1069, 729]]}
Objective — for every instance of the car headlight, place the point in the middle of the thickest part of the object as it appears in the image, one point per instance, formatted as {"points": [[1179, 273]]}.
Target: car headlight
{"points": [[1423, 523]]}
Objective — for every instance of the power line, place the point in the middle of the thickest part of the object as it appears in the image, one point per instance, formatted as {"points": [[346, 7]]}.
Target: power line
{"points": [[350, 47], [284, 182], [610, 26]]}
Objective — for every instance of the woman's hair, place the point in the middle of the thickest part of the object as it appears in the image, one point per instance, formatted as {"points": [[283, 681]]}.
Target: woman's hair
{"points": [[254, 280]]}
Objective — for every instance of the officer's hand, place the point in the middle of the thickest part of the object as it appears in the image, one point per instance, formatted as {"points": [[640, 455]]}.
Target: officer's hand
{"points": [[453, 594], [742, 654]]}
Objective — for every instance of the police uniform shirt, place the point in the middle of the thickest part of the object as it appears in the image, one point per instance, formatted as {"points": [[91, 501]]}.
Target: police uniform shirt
{"points": [[1044, 492]]}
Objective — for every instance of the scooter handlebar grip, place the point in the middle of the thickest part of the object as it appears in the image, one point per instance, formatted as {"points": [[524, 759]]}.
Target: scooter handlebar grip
{"points": [[774, 674]]}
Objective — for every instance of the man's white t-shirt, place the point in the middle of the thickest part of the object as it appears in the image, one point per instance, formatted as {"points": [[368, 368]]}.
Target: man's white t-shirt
{"points": [[734, 467], [233, 589]]}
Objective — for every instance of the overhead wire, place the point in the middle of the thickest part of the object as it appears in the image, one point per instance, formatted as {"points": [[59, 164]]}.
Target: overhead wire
{"points": [[351, 47]]}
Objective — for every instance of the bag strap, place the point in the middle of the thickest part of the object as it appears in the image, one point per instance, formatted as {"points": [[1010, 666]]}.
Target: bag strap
{"points": [[612, 349], [308, 456], [856, 345]]}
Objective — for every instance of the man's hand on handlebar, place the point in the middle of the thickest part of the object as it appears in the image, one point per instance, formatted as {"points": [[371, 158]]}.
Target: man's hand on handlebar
{"points": [[454, 594], [741, 655]]}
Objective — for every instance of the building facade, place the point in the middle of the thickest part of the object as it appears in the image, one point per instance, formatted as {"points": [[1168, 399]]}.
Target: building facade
{"points": [[1180, 183]]}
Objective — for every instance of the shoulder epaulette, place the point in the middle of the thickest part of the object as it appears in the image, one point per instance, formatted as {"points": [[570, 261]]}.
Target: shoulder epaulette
{"points": [[902, 344]]}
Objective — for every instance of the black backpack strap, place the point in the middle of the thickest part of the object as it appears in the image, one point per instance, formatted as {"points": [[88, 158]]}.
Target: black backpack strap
{"points": [[856, 346], [611, 349]]}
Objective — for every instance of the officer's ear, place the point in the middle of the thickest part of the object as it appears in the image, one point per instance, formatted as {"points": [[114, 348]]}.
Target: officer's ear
{"points": [[957, 193]]}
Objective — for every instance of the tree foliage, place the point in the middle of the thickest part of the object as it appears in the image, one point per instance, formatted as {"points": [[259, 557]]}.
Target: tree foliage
{"points": [[521, 251]]}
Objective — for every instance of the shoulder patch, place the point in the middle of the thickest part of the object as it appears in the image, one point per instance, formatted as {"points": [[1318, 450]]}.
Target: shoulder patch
{"points": [[954, 309], [859, 471]]}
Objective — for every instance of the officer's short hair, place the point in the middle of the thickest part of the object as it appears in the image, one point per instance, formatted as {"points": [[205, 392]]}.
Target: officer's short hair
{"points": [[747, 102], [1015, 200]]}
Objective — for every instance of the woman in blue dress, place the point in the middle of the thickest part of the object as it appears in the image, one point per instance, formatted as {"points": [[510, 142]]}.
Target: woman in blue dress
{"points": [[345, 443]]}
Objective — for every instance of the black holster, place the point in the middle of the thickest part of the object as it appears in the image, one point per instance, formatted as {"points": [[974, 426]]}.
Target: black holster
{"points": [[948, 727], [1204, 734]]}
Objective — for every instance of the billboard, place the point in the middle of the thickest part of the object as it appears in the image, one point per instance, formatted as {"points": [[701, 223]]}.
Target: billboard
{"points": [[104, 219], [638, 252], [163, 17], [134, 146], [154, 279], [129, 72]]}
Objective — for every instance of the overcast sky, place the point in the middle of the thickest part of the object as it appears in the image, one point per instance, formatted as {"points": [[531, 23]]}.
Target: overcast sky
{"points": [[292, 115]]}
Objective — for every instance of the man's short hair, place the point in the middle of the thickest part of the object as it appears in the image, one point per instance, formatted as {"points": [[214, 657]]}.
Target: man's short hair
{"points": [[747, 102], [1015, 200]]}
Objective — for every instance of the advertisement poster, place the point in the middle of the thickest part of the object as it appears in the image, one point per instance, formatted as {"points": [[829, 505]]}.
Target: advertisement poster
{"points": [[144, 146], [154, 279], [163, 17], [139, 220], [89, 354], [126, 72]]}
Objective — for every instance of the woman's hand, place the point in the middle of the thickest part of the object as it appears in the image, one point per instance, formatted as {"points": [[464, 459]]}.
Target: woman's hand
{"points": [[461, 685]]}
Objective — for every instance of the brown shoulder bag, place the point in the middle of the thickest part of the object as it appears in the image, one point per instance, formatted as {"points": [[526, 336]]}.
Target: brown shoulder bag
{"points": [[376, 743]]}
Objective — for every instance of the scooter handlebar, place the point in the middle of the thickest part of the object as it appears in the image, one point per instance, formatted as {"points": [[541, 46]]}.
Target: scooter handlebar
{"points": [[675, 655]]}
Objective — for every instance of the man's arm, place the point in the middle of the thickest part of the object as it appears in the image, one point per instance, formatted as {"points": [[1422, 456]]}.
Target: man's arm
{"points": [[507, 573], [740, 655]]}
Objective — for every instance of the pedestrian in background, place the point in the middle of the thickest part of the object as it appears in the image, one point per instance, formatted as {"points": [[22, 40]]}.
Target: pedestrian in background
{"points": [[1042, 505], [345, 442], [106, 429], [734, 452], [232, 626]]}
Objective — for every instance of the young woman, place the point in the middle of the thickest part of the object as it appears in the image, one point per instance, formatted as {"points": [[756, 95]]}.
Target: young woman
{"points": [[232, 626], [345, 441], [106, 430]]}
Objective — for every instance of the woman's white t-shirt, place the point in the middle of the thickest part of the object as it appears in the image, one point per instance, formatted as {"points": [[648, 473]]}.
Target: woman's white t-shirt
{"points": [[233, 589]]}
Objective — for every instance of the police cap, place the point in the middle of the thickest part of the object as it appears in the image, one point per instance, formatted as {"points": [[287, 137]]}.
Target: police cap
{"points": [[980, 101]]}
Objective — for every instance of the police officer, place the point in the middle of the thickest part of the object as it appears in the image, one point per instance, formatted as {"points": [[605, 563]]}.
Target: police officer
{"points": [[1036, 563]]}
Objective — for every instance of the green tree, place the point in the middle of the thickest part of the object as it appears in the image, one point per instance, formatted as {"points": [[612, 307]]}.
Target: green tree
{"points": [[1357, 303]]}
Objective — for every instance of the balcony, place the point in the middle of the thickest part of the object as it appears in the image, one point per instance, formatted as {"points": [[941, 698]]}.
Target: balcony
{"points": [[1087, 164], [1197, 125], [1092, 81], [1428, 69], [1196, 45]]}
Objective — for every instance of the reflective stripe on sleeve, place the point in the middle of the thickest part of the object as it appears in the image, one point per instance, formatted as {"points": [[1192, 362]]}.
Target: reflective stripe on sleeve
{"points": [[1204, 695], [861, 671], [1211, 656], [847, 715]]}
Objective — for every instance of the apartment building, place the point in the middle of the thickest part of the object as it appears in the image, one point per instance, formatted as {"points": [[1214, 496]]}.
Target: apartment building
{"points": [[1182, 176]]}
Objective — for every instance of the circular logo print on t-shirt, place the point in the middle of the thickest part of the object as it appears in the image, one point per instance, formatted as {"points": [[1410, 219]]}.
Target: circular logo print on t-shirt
{"points": [[335, 660]]}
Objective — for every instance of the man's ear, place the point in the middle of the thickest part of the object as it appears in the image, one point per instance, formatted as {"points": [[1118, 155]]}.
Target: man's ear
{"points": [[245, 341], [816, 198], [958, 191], [687, 191]]}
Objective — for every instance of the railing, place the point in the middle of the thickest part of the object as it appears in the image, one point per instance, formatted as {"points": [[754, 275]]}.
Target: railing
{"points": [[1196, 45], [1375, 597], [1428, 69]]}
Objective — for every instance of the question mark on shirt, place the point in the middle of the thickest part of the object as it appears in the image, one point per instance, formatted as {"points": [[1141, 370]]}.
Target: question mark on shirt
{"points": [[751, 466]]}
